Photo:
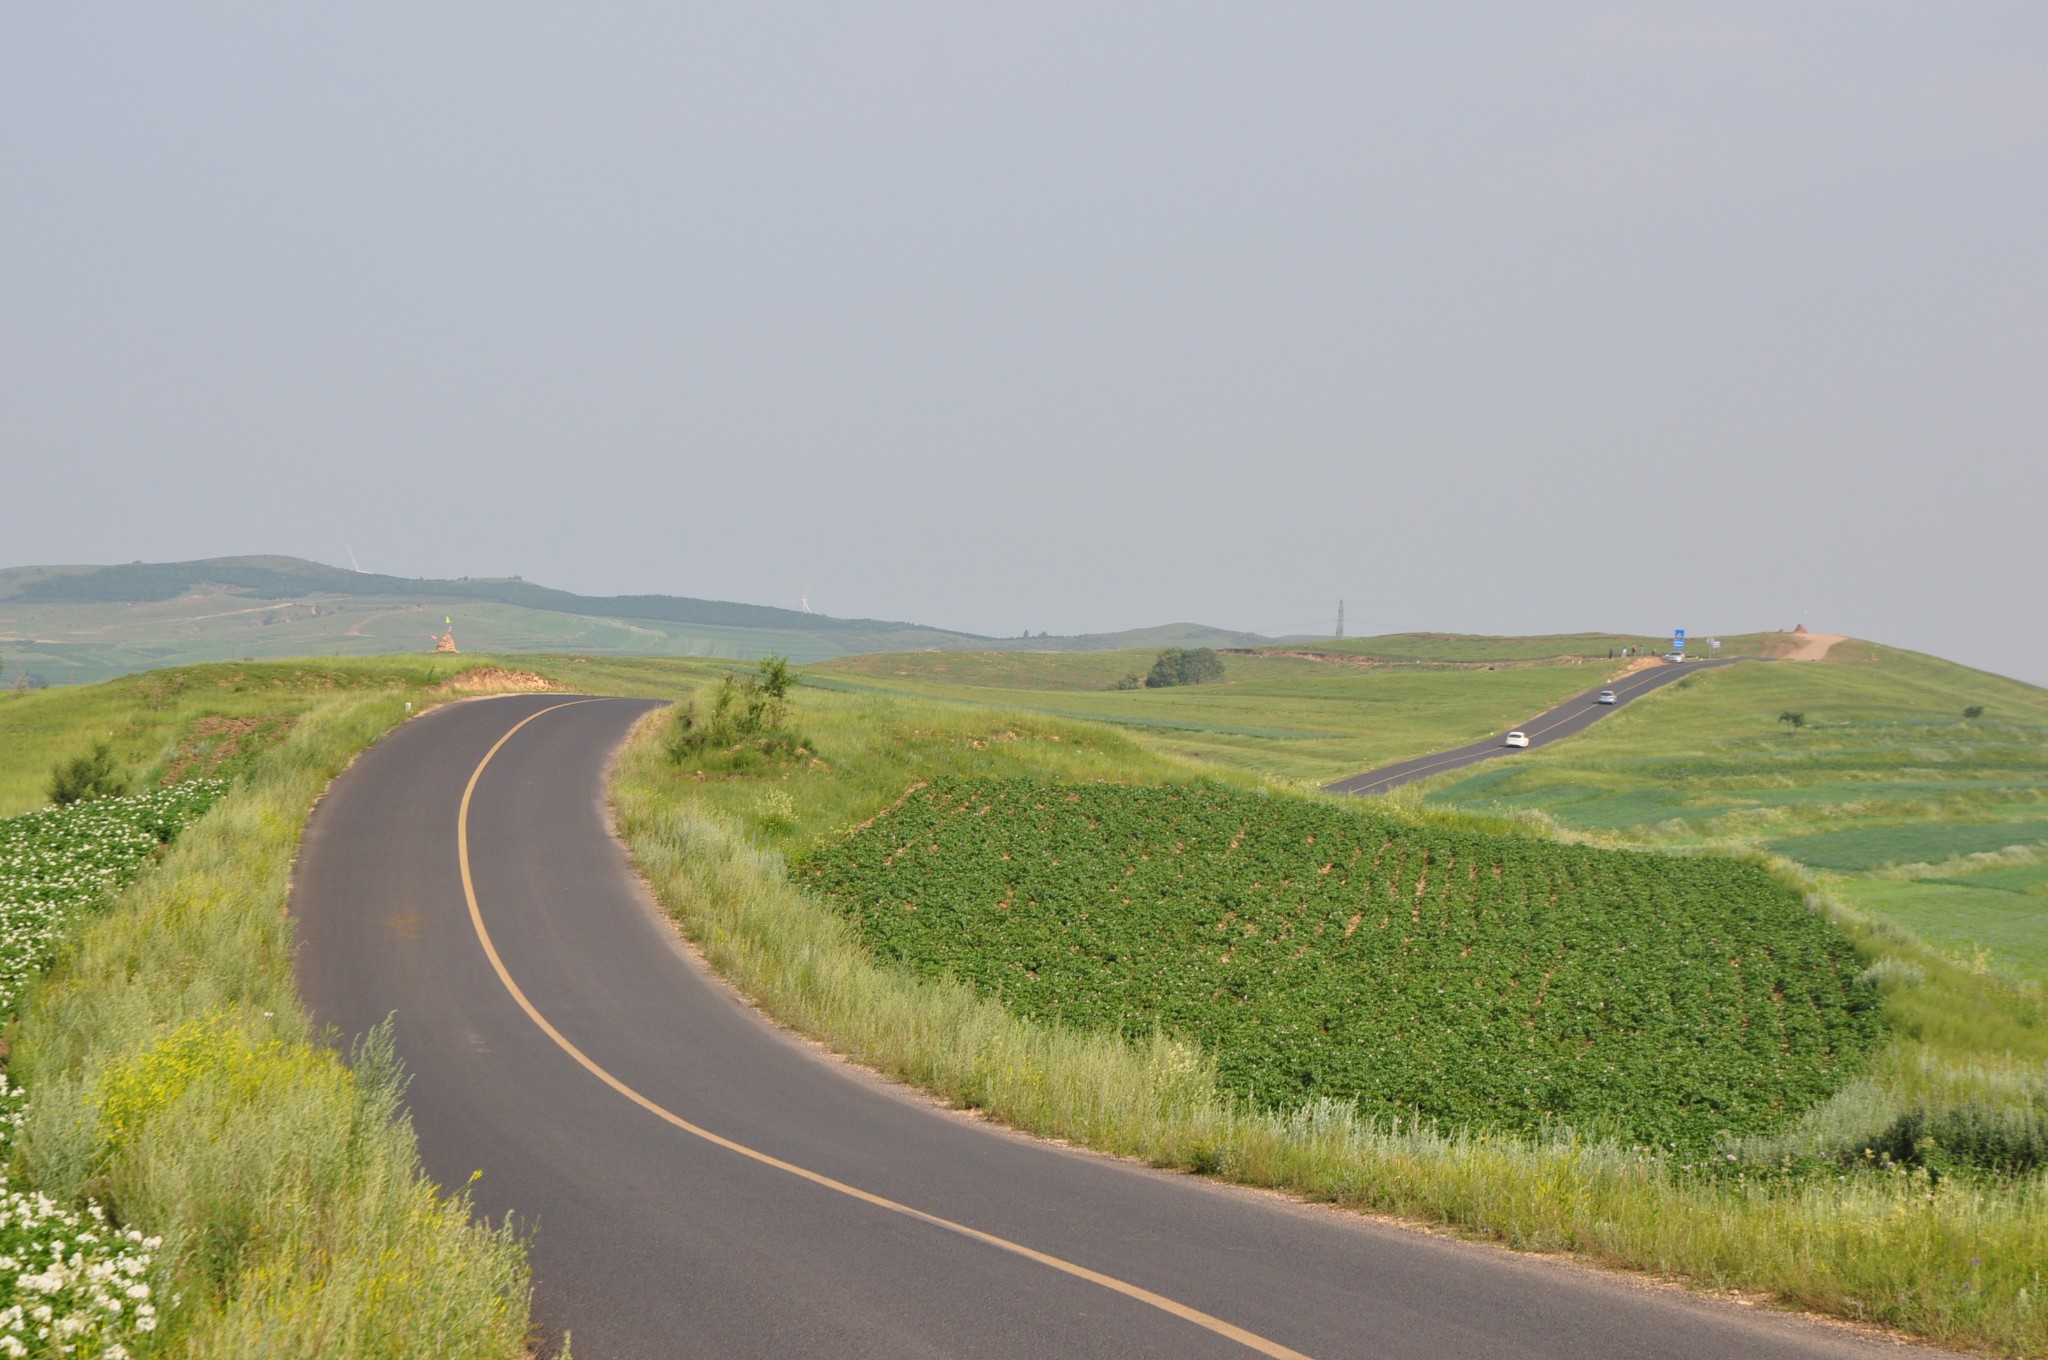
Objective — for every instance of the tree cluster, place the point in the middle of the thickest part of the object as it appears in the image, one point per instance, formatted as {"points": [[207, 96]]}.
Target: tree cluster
{"points": [[1185, 666]]}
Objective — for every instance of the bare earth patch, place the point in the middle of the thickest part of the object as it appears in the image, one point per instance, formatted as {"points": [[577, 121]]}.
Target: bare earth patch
{"points": [[213, 741], [1812, 646], [494, 679]]}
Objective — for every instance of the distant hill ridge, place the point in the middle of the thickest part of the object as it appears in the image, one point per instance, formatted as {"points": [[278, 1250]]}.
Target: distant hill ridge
{"points": [[67, 624], [283, 577]]}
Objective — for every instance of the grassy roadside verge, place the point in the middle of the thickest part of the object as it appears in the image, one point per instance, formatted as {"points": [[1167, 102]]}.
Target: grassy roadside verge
{"points": [[175, 1079], [1952, 1258]]}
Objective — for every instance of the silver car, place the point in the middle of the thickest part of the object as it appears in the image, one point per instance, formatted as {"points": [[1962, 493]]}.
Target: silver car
{"points": [[1608, 696], [1517, 739]]}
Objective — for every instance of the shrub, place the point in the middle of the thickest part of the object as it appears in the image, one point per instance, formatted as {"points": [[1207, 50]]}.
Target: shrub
{"points": [[744, 728], [2008, 1139], [1974, 711], [1185, 666], [92, 775]]}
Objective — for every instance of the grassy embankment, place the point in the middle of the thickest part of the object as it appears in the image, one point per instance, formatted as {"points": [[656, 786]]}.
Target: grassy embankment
{"points": [[174, 1077], [1956, 1257]]}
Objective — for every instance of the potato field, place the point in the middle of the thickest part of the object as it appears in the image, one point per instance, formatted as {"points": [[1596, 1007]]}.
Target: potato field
{"points": [[61, 861], [1487, 980]]}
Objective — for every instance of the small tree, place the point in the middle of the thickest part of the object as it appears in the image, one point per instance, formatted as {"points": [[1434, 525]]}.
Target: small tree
{"points": [[1974, 711], [92, 775], [1793, 720], [774, 677]]}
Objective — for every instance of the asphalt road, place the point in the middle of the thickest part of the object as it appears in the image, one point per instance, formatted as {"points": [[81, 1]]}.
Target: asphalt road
{"points": [[1572, 716], [703, 1184]]}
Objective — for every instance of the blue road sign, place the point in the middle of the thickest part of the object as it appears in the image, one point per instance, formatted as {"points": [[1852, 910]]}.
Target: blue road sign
{"points": [[1678, 639]]}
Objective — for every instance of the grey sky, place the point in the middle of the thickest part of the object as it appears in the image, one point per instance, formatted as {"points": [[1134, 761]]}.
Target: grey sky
{"points": [[1074, 317]]}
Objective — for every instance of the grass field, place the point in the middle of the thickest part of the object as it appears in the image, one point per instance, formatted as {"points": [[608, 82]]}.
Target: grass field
{"points": [[1902, 802], [1295, 719]]}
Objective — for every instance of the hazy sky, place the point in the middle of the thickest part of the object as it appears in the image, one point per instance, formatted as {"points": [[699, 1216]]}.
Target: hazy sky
{"points": [[1073, 317]]}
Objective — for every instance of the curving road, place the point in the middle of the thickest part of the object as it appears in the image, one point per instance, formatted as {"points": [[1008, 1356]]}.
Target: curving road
{"points": [[703, 1184], [1573, 716]]}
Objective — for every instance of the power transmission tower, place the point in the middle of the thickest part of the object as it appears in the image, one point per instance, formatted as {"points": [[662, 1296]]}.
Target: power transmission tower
{"points": [[1340, 619]]}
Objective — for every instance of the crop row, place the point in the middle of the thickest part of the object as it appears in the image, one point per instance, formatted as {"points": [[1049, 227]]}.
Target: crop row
{"points": [[1483, 979]]}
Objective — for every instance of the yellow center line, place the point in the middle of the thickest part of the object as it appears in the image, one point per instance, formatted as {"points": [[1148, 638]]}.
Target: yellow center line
{"points": [[1250, 1340]]}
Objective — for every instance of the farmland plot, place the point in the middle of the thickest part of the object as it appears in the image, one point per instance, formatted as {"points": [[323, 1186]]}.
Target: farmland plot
{"points": [[1488, 980]]}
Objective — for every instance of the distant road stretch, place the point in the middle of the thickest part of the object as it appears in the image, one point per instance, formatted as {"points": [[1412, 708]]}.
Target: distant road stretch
{"points": [[1572, 716]]}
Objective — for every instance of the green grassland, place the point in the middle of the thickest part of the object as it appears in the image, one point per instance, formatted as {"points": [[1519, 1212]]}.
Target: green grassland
{"points": [[1293, 718], [1906, 806], [1487, 980]]}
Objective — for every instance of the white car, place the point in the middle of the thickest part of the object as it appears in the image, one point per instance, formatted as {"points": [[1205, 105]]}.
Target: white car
{"points": [[1517, 739], [1608, 696]]}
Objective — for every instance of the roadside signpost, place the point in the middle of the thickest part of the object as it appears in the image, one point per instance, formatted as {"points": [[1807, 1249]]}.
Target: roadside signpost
{"points": [[1678, 642]]}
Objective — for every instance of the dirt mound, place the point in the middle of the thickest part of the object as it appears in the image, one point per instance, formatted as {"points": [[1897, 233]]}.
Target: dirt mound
{"points": [[494, 679]]}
